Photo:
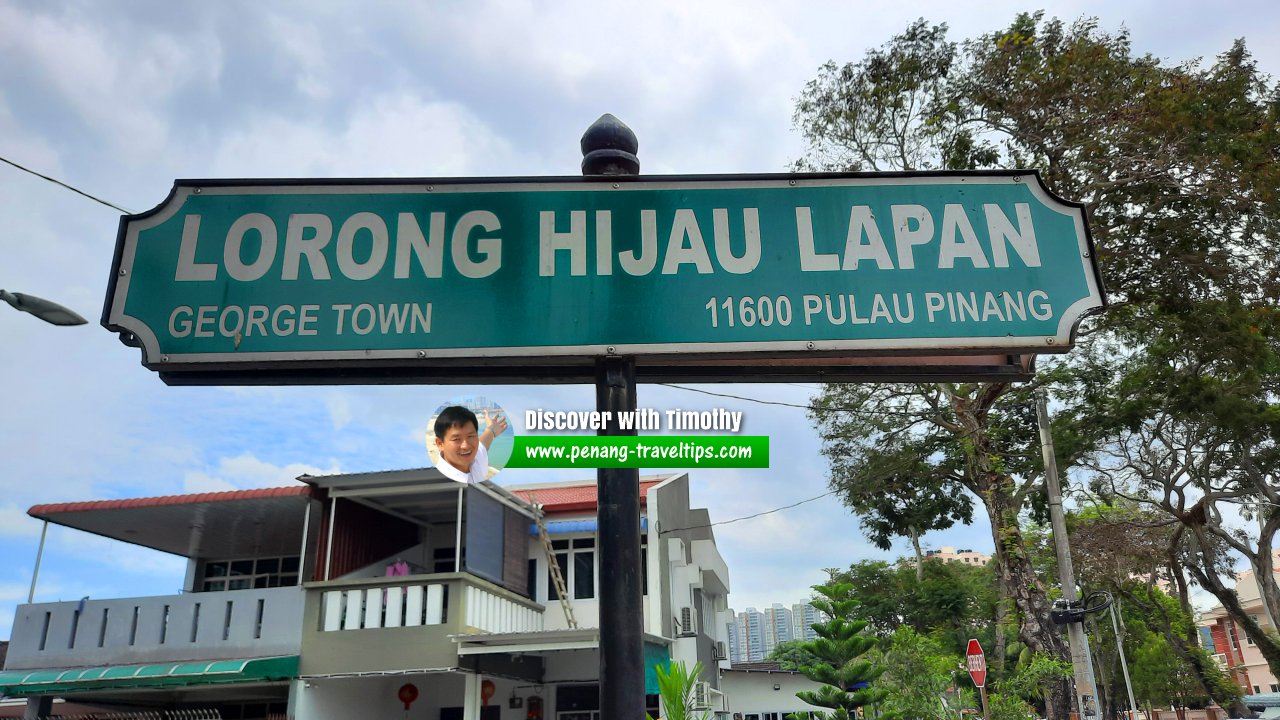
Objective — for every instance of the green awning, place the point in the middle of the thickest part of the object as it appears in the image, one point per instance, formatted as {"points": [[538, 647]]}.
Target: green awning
{"points": [[17, 683], [654, 654]]}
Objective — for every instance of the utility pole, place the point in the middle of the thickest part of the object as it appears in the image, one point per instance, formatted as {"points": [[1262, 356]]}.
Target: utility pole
{"points": [[1081, 662]]}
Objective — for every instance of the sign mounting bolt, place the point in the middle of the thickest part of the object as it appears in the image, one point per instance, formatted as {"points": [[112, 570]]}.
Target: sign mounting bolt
{"points": [[164, 358], [1048, 341], [196, 191], [611, 350], [123, 272], [809, 345], [422, 353]]}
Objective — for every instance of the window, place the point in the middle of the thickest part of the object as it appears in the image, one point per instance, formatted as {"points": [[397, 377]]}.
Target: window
{"points": [[1275, 687], [644, 566], [442, 560], [577, 561], [578, 702], [584, 568], [271, 572]]}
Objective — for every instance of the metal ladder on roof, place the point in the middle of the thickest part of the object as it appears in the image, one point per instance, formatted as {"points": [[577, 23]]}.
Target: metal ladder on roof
{"points": [[557, 578]]}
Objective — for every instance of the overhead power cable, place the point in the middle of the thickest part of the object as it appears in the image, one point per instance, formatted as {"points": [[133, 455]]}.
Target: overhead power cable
{"points": [[56, 181], [748, 517], [839, 408]]}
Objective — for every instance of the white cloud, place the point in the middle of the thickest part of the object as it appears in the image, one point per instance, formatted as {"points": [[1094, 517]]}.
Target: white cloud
{"points": [[117, 81], [339, 409], [248, 471], [306, 46], [14, 522], [13, 591], [389, 135]]}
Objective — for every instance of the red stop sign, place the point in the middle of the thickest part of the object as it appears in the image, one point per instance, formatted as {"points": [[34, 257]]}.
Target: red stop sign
{"points": [[977, 663]]}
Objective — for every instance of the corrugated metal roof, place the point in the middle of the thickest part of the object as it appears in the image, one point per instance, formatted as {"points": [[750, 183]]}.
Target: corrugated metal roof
{"points": [[765, 667]]}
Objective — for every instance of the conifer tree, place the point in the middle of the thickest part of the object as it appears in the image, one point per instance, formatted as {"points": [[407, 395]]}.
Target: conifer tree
{"points": [[847, 679]]}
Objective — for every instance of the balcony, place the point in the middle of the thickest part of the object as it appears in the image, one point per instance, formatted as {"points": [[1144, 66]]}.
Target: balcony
{"points": [[192, 626], [384, 624]]}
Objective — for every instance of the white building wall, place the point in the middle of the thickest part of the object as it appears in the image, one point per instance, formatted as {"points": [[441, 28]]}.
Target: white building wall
{"points": [[366, 698], [361, 698], [752, 693]]}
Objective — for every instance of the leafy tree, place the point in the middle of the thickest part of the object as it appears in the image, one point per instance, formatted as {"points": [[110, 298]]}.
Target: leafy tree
{"points": [[1199, 448], [1162, 680], [791, 655], [1176, 168], [974, 444], [841, 642], [1125, 550], [902, 504], [950, 602], [1007, 706], [918, 673], [1035, 682]]}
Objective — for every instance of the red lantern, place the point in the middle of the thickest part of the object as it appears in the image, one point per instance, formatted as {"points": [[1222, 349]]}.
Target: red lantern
{"points": [[407, 694], [487, 688]]}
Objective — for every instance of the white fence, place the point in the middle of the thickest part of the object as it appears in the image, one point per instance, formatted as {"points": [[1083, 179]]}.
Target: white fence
{"points": [[389, 607], [365, 608], [493, 613]]}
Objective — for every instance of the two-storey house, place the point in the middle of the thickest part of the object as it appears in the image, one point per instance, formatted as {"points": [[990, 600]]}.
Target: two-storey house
{"points": [[369, 595]]}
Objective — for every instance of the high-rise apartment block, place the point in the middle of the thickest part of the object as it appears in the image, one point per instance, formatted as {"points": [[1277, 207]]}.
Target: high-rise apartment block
{"points": [[753, 633]]}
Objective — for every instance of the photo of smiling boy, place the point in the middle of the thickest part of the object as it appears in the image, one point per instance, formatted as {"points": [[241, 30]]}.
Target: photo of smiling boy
{"points": [[463, 449]]}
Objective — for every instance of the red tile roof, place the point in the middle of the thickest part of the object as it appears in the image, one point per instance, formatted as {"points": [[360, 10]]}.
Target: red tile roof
{"points": [[572, 498], [231, 495]]}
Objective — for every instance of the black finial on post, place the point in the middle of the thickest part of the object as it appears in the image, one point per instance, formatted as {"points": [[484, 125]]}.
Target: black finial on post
{"points": [[609, 148]]}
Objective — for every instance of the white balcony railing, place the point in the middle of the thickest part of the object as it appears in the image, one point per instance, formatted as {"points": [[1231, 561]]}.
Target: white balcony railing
{"points": [[462, 602]]}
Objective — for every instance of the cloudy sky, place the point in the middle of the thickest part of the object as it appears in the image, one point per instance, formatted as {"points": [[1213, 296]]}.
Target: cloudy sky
{"points": [[121, 98]]}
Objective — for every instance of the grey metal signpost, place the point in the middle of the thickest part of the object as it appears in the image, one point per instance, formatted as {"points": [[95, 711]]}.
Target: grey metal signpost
{"points": [[609, 148]]}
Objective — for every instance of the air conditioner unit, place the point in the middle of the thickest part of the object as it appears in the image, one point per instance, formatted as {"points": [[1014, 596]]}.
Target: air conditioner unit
{"points": [[720, 653], [701, 696], [688, 621]]}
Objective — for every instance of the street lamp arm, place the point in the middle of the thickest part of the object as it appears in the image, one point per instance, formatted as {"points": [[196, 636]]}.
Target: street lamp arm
{"points": [[47, 310]]}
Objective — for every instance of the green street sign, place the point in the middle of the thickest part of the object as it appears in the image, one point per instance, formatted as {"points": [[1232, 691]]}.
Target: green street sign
{"points": [[537, 273]]}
